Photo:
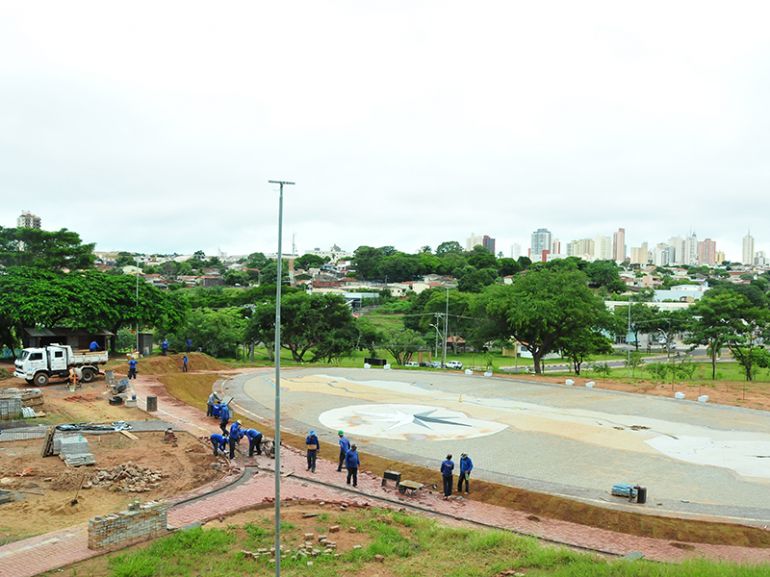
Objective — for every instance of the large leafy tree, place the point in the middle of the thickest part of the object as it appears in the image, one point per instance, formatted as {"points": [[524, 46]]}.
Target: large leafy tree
{"points": [[711, 322], [317, 323], [217, 332], [545, 310], [48, 250], [87, 299], [367, 261], [402, 344]]}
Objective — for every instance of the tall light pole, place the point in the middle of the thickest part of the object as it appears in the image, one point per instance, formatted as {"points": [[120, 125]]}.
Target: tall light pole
{"points": [[138, 350], [277, 436], [446, 329]]}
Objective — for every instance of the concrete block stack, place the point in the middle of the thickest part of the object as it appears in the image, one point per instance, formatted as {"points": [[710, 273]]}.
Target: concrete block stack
{"points": [[74, 450], [138, 523], [10, 409], [32, 398]]}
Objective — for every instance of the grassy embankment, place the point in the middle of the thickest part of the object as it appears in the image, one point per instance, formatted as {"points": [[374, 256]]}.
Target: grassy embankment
{"points": [[193, 389], [384, 544]]}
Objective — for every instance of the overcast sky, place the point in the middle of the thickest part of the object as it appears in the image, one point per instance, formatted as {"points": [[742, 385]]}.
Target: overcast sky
{"points": [[154, 126]]}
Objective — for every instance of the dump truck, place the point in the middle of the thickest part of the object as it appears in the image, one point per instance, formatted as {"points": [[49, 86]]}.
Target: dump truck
{"points": [[38, 365]]}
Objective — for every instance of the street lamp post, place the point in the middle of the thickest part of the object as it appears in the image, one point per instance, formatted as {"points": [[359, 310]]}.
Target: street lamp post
{"points": [[277, 436], [446, 329]]}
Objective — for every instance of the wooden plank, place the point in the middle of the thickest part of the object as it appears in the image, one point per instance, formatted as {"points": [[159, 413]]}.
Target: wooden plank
{"points": [[130, 435]]}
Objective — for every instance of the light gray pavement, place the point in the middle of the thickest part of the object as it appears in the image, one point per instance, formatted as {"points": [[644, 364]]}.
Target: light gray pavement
{"points": [[551, 460]]}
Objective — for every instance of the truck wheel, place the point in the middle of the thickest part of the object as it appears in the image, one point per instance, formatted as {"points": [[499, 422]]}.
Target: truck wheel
{"points": [[87, 375], [40, 380]]}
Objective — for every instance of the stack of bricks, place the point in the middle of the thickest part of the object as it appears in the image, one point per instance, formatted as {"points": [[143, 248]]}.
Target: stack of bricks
{"points": [[138, 523]]}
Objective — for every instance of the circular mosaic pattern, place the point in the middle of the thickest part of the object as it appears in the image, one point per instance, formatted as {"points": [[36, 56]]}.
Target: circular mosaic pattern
{"points": [[407, 422]]}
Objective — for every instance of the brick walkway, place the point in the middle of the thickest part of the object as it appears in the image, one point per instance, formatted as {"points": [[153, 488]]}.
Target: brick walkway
{"points": [[61, 548]]}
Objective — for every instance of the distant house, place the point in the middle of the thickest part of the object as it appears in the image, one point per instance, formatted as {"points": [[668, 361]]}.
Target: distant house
{"points": [[211, 280]]}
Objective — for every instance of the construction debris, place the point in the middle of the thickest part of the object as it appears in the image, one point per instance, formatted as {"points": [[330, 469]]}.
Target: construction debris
{"points": [[126, 478], [29, 397]]}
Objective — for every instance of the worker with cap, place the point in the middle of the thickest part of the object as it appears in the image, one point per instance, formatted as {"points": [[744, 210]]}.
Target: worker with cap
{"points": [[255, 441], [213, 399], [236, 433], [219, 442], [466, 466], [311, 443], [344, 448], [132, 368], [352, 462], [224, 417]]}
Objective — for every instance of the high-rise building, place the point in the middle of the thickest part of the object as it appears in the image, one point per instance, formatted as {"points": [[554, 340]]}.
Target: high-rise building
{"points": [[603, 248], [707, 252], [474, 240], [640, 254], [721, 257], [690, 250], [677, 250], [662, 255], [556, 246], [619, 245], [488, 243], [515, 250], [583, 248], [540, 241], [748, 249], [28, 220]]}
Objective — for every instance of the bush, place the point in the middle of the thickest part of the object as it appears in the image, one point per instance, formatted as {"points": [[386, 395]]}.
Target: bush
{"points": [[602, 369]]}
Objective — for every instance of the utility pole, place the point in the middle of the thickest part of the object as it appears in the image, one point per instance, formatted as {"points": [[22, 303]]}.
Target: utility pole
{"points": [[138, 350], [277, 437], [446, 329]]}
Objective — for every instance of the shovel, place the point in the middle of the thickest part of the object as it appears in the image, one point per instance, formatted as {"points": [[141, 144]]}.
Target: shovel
{"points": [[75, 499]]}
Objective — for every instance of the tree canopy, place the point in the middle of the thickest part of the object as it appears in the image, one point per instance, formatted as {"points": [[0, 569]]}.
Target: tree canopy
{"points": [[48, 250]]}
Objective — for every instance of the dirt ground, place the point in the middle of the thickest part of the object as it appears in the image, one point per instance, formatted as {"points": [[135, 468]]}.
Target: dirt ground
{"points": [[757, 395], [46, 486]]}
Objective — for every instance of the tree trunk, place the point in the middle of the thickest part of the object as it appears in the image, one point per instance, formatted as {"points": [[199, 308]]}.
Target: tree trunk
{"points": [[537, 360], [713, 362]]}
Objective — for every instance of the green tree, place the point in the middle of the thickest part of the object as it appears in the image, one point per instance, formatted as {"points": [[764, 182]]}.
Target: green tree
{"points": [[508, 267], [402, 344], [585, 343], [448, 247], [605, 274], [367, 261], [218, 332], [307, 261], [545, 310], [479, 257], [321, 323], [710, 322], [474, 280], [48, 250]]}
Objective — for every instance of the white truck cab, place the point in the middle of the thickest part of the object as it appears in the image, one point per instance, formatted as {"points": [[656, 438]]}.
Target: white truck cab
{"points": [[38, 365]]}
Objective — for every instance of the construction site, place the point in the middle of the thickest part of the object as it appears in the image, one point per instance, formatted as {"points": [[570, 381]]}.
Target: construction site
{"points": [[107, 464]]}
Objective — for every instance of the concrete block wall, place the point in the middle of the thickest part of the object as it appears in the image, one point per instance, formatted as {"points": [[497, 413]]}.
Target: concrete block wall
{"points": [[127, 527]]}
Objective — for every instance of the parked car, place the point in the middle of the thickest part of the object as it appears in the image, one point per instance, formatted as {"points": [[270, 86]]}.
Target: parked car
{"points": [[412, 364], [454, 365], [435, 364]]}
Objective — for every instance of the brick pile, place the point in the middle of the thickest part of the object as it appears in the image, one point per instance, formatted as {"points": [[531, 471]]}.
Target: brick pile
{"points": [[126, 478], [29, 397], [138, 523]]}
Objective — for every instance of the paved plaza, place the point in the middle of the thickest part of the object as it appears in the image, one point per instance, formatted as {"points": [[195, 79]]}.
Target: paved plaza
{"points": [[694, 458]]}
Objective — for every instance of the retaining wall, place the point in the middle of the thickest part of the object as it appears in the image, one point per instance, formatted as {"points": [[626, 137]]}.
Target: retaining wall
{"points": [[139, 523]]}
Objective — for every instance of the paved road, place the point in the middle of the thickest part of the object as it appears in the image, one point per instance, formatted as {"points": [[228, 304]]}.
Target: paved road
{"points": [[694, 458]]}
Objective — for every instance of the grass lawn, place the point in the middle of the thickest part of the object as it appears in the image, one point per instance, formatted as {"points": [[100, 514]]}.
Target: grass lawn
{"points": [[383, 544]]}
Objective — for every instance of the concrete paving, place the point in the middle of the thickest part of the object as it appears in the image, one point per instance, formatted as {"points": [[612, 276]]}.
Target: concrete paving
{"points": [[694, 458]]}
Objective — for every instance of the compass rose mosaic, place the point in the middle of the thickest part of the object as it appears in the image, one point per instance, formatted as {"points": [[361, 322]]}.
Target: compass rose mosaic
{"points": [[407, 422]]}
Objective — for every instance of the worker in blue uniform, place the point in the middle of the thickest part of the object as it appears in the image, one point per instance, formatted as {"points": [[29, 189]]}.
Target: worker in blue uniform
{"points": [[236, 434], [352, 463], [447, 466], [344, 448], [255, 441], [466, 466], [219, 442], [224, 417], [312, 446]]}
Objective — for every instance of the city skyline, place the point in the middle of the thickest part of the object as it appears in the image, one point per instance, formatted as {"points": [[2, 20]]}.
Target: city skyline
{"points": [[403, 124]]}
